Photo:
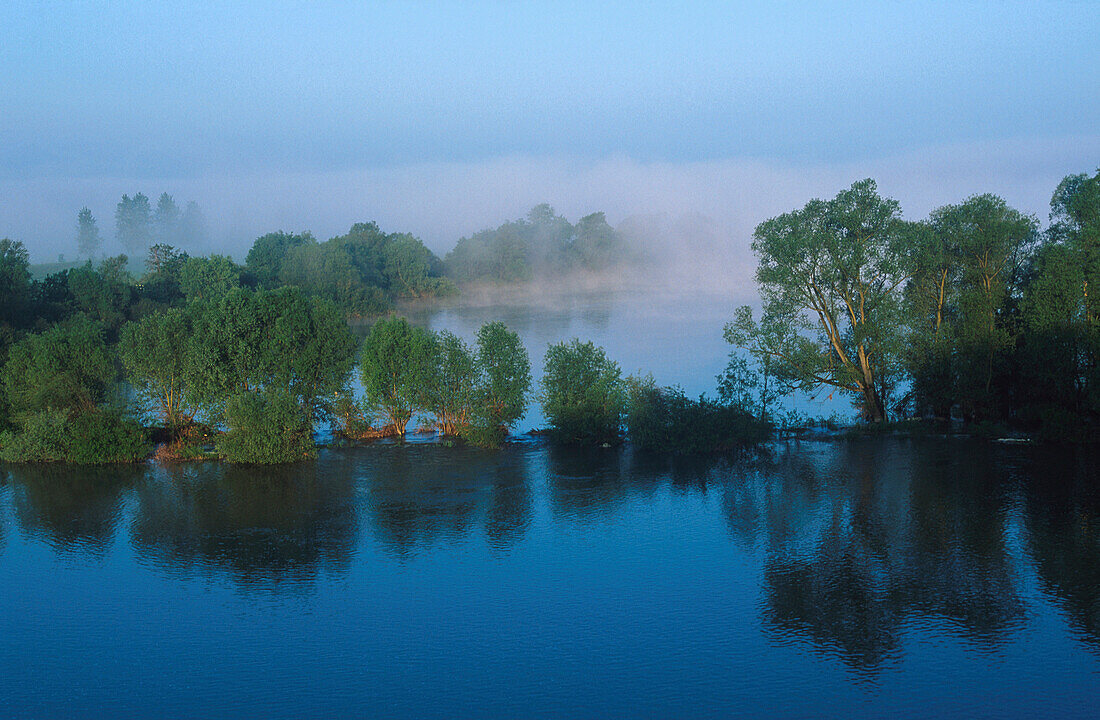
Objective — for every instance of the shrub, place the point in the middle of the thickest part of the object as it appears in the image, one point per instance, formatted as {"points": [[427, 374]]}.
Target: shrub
{"points": [[265, 428], [583, 395], [106, 436], [91, 438], [43, 437], [665, 419]]}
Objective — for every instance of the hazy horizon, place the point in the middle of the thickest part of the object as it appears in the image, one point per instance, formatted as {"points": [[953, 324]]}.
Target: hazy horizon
{"points": [[447, 118]]}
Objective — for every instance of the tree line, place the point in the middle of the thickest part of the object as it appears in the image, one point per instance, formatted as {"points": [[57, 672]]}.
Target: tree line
{"points": [[139, 226], [973, 313], [97, 366]]}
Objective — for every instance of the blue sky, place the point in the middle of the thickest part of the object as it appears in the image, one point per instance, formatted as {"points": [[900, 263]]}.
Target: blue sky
{"points": [[98, 98]]}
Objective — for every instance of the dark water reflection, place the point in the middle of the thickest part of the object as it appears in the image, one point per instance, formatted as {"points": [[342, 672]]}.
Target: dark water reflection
{"points": [[870, 572]]}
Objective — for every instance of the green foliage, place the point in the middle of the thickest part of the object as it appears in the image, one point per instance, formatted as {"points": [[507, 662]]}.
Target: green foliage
{"points": [[397, 360], [451, 388], [328, 270], [209, 278], [67, 367], [265, 428], [15, 284], [544, 243], [158, 355], [105, 292], [267, 255], [272, 339], [42, 437], [94, 437], [505, 376], [105, 436], [583, 395], [830, 276], [666, 420]]}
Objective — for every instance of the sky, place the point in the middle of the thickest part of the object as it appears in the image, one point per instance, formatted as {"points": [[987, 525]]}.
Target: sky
{"points": [[443, 118]]}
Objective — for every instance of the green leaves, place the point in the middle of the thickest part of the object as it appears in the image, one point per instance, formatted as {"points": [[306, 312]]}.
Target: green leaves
{"points": [[835, 267], [583, 395], [397, 360]]}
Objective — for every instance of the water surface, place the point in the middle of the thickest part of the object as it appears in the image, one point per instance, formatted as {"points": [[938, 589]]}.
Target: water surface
{"points": [[847, 579]]}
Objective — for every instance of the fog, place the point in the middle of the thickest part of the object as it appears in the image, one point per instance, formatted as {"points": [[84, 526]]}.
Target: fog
{"points": [[711, 204]]}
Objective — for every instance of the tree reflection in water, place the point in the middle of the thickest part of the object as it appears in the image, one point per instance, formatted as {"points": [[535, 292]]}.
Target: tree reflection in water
{"points": [[1062, 497], [863, 538], [858, 543], [72, 509], [263, 526], [418, 496]]}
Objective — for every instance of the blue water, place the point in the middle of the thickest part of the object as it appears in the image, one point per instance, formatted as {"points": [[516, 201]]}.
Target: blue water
{"points": [[869, 578]]}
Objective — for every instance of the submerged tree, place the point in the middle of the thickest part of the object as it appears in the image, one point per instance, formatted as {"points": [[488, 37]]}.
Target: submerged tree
{"points": [[583, 395], [505, 377], [395, 364], [830, 275]]}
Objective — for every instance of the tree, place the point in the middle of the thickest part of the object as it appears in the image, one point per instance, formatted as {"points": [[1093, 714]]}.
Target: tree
{"points": [[328, 270], [988, 239], [87, 233], [166, 220], [133, 224], [209, 277], [66, 368], [1060, 352], [452, 386], [834, 267], [583, 396], [396, 362], [596, 245], [15, 284], [103, 292], [271, 340], [267, 255], [158, 356], [506, 376], [193, 231]]}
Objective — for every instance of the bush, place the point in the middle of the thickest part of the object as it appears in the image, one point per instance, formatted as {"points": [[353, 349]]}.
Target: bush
{"points": [[665, 419], [43, 437], [265, 428], [106, 436], [583, 395], [92, 438]]}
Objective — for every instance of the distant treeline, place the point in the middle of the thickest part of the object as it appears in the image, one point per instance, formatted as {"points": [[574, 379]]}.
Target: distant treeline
{"points": [[973, 314], [362, 272], [544, 244]]}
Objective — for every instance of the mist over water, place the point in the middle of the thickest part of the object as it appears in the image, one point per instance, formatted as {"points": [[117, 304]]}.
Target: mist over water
{"points": [[440, 202]]}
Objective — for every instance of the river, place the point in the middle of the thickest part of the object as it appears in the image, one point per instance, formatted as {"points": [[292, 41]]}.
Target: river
{"points": [[828, 578]]}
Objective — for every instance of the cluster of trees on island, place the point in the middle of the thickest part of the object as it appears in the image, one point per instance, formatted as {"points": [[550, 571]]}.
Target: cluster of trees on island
{"points": [[253, 372], [973, 313]]}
